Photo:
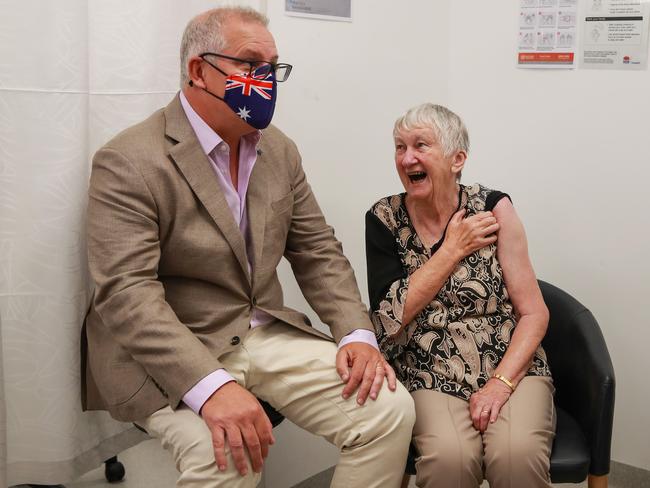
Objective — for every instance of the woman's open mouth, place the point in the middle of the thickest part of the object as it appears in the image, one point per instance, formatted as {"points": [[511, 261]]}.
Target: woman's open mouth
{"points": [[417, 176]]}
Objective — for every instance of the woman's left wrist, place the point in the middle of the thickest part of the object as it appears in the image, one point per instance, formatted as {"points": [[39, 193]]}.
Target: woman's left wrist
{"points": [[504, 380]]}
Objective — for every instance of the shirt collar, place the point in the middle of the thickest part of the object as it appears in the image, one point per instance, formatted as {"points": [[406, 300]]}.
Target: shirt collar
{"points": [[208, 138]]}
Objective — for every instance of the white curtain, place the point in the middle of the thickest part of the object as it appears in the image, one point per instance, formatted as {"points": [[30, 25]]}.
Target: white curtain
{"points": [[72, 74]]}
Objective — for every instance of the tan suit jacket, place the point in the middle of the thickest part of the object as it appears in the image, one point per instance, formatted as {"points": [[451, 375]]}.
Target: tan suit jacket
{"points": [[172, 287]]}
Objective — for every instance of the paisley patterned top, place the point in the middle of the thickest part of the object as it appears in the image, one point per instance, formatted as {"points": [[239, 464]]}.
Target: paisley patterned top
{"points": [[455, 343]]}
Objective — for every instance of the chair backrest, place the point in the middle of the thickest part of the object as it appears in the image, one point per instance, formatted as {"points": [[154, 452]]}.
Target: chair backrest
{"points": [[582, 371]]}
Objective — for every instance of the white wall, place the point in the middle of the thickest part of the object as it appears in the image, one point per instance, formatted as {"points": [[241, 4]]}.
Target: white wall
{"points": [[350, 82], [571, 147]]}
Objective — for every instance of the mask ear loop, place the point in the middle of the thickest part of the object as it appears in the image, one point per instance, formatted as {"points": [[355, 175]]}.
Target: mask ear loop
{"points": [[191, 83]]}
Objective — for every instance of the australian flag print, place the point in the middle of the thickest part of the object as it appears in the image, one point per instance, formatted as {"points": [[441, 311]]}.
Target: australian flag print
{"points": [[251, 98]]}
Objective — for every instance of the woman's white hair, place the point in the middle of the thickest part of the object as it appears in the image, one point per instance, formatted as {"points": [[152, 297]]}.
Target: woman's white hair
{"points": [[204, 33], [449, 129]]}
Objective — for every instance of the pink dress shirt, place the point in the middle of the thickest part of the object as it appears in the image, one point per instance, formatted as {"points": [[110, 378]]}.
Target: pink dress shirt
{"points": [[218, 153]]}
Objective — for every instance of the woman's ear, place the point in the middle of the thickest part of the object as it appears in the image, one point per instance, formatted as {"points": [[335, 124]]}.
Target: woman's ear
{"points": [[458, 163]]}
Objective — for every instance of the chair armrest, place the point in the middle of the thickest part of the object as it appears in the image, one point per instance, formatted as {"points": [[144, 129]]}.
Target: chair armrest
{"points": [[582, 372]]}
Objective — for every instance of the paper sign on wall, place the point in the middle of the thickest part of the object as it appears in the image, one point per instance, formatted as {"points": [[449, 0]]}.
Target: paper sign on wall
{"points": [[547, 33], [320, 9], [615, 35]]}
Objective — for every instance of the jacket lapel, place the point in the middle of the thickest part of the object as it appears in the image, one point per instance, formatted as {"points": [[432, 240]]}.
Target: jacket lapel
{"points": [[256, 203], [197, 169]]}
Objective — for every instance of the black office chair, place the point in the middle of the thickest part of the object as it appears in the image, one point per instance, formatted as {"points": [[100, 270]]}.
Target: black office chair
{"points": [[584, 392], [584, 382], [274, 416]]}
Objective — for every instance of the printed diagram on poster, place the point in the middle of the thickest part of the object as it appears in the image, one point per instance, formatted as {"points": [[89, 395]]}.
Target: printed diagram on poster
{"points": [[547, 33], [340, 10], [615, 35]]}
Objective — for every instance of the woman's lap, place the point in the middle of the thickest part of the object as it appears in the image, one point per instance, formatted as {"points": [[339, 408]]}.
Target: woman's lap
{"points": [[514, 449]]}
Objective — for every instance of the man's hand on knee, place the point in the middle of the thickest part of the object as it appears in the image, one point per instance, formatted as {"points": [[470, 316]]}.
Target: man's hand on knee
{"points": [[361, 365], [234, 415]]}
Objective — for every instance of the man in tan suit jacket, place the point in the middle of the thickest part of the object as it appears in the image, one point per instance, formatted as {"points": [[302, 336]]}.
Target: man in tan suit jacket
{"points": [[190, 212]]}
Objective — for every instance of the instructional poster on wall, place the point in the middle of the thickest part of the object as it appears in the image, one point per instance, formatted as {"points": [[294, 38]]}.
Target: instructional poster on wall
{"points": [[615, 35], [320, 9], [547, 33]]}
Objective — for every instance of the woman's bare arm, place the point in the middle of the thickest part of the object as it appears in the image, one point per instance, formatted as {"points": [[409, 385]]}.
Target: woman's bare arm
{"points": [[526, 297]]}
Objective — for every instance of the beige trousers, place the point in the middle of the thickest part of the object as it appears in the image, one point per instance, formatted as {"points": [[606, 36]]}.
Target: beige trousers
{"points": [[295, 372], [513, 452]]}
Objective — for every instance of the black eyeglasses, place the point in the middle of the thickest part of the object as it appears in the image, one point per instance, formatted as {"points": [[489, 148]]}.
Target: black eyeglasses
{"points": [[256, 69]]}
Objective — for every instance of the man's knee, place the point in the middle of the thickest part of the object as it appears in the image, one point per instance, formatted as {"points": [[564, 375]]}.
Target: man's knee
{"points": [[388, 419], [185, 436], [195, 460], [398, 410], [191, 446], [197, 455]]}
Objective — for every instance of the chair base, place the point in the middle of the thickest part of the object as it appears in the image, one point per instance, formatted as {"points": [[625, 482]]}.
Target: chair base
{"points": [[113, 470]]}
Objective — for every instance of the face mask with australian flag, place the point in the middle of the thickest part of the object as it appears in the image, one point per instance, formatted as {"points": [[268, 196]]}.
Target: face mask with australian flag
{"points": [[252, 97]]}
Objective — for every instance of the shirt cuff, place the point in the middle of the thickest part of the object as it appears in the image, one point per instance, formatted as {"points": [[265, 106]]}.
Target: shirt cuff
{"points": [[360, 335], [199, 393]]}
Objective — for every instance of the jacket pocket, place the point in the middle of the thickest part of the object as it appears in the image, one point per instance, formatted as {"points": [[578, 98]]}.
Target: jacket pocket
{"points": [[283, 204]]}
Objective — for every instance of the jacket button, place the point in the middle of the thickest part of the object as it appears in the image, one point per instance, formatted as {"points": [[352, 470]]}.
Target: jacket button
{"points": [[234, 341], [254, 302]]}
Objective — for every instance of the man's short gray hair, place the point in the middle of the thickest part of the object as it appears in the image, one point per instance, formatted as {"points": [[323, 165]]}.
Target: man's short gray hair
{"points": [[204, 33], [449, 129]]}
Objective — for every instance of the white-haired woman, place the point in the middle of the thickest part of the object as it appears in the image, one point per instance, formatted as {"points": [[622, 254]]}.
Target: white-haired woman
{"points": [[459, 314]]}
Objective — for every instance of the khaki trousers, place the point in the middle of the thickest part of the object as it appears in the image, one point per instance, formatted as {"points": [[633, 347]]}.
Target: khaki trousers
{"points": [[295, 372], [513, 452]]}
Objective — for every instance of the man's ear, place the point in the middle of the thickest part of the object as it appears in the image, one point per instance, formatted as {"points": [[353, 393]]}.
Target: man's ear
{"points": [[458, 162], [195, 68]]}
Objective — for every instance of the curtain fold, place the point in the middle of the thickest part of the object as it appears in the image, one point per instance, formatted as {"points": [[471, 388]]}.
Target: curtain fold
{"points": [[72, 75]]}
